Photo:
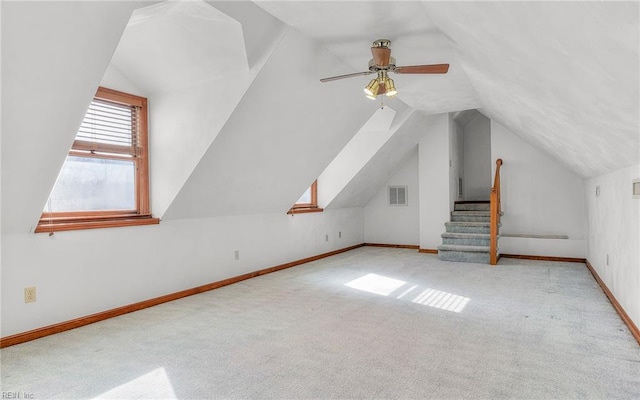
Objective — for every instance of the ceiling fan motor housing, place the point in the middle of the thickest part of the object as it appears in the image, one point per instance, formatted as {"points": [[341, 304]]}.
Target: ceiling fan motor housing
{"points": [[373, 67]]}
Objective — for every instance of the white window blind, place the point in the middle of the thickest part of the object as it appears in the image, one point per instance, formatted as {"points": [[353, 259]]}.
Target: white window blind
{"points": [[109, 128]]}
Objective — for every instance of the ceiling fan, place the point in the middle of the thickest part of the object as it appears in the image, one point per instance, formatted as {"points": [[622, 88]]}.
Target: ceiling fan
{"points": [[382, 63]]}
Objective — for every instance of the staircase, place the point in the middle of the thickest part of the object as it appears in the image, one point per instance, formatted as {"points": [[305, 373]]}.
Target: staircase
{"points": [[467, 236]]}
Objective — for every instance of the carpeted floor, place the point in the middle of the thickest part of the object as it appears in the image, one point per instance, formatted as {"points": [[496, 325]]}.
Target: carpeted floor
{"points": [[370, 323]]}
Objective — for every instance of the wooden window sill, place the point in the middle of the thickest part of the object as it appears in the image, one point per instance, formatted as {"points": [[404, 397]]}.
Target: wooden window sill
{"points": [[303, 210], [58, 224]]}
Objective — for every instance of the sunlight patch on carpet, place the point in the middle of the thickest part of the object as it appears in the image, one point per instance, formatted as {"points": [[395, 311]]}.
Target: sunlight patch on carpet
{"points": [[442, 300], [374, 283], [152, 385], [406, 292], [385, 286]]}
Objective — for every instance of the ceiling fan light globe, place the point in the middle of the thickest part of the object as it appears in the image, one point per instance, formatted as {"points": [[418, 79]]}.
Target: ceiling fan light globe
{"points": [[372, 88], [371, 96], [391, 88]]}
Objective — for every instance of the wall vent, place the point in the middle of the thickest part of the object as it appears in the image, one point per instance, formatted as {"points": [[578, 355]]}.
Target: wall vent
{"points": [[459, 187], [398, 195]]}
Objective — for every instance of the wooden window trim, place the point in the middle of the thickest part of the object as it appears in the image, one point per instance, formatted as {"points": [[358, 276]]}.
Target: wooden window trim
{"points": [[66, 221], [57, 224], [301, 208], [305, 210]]}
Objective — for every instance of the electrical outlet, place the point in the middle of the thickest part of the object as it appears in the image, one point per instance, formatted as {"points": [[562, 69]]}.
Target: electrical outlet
{"points": [[339, 234], [326, 237], [30, 295], [607, 259], [236, 254]]}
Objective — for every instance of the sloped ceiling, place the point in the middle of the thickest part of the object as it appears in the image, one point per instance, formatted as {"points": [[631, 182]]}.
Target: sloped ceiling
{"points": [[386, 162], [347, 29], [277, 141], [562, 75], [355, 154], [173, 45]]}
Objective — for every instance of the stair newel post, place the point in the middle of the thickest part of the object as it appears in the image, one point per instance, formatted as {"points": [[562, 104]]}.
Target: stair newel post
{"points": [[495, 209]]}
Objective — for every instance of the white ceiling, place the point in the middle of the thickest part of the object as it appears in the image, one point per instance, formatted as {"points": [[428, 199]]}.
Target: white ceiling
{"points": [[562, 75], [347, 30], [169, 46]]}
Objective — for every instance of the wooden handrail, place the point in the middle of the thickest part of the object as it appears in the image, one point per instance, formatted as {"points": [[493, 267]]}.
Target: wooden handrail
{"points": [[496, 207]]}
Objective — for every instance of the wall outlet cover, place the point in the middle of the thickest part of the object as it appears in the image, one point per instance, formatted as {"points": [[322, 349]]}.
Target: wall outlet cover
{"points": [[30, 294]]}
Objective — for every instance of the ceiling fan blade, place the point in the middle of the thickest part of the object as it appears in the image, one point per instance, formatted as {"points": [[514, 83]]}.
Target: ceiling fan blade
{"points": [[381, 55], [335, 78], [423, 69]]}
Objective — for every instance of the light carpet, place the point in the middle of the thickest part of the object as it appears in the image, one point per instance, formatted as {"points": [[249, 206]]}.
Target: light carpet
{"points": [[370, 323]]}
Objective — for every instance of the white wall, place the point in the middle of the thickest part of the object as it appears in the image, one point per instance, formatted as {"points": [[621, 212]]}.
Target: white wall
{"points": [[614, 225], [539, 197], [84, 272], [456, 155], [433, 176], [477, 158], [395, 224]]}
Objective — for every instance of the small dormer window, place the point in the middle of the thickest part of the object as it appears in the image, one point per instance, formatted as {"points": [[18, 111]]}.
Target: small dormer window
{"points": [[104, 181], [308, 202]]}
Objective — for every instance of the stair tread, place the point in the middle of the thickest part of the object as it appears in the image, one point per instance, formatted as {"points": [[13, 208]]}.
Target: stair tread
{"points": [[470, 223], [458, 247], [466, 235], [471, 212], [473, 202]]}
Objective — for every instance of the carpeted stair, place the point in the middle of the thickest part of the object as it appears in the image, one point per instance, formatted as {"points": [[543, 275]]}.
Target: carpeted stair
{"points": [[467, 235]]}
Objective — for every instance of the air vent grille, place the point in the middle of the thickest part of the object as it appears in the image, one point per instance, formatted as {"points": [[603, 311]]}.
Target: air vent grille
{"points": [[398, 195]]}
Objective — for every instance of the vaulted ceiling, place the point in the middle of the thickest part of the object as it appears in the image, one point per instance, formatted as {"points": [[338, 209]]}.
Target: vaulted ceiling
{"points": [[562, 75], [238, 109]]}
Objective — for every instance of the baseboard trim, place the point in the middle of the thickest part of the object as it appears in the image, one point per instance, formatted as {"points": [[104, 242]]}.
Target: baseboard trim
{"points": [[428, 251], [395, 246], [101, 316], [544, 258], [621, 312]]}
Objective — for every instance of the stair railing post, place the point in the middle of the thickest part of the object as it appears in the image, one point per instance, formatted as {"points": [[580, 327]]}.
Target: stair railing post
{"points": [[493, 229], [495, 210]]}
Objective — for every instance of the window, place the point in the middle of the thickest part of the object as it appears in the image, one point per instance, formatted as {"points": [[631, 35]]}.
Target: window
{"points": [[308, 202], [104, 181]]}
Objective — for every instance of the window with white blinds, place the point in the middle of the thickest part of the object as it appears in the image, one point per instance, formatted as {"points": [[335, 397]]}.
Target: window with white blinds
{"points": [[104, 181], [109, 128]]}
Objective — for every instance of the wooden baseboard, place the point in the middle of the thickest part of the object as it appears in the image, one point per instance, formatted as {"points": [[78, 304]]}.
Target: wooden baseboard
{"points": [[428, 251], [90, 319], [621, 312], [544, 258], [395, 246]]}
